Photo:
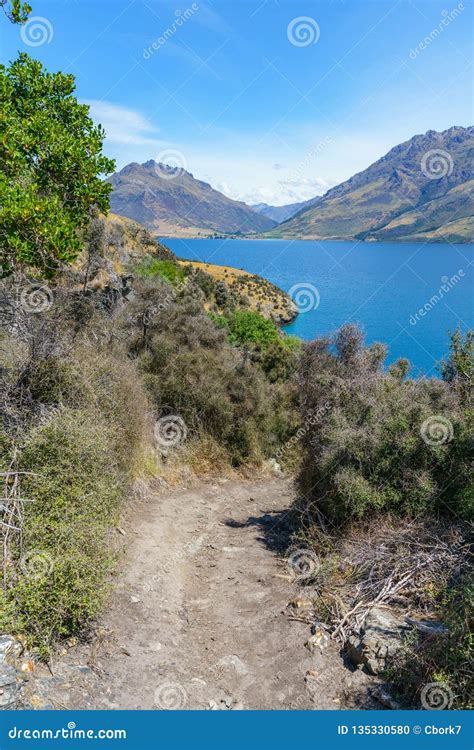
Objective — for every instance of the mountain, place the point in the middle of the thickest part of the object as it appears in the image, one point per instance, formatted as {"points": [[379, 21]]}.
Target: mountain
{"points": [[170, 201], [281, 213], [422, 189]]}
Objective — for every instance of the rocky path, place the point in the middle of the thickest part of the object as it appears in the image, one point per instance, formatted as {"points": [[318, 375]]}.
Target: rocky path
{"points": [[199, 615]]}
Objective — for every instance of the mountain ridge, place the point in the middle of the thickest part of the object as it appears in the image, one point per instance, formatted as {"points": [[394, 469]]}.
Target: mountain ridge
{"points": [[410, 193], [172, 202]]}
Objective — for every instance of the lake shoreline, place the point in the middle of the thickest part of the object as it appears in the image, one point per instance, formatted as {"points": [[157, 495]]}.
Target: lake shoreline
{"points": [[379, 286]]}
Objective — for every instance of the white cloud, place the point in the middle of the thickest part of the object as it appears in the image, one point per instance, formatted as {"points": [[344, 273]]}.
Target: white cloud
{"points": [[124, 127]]}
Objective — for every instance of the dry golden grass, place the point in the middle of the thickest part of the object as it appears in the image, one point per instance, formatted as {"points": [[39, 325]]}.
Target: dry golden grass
{"points": [[261, 294]]}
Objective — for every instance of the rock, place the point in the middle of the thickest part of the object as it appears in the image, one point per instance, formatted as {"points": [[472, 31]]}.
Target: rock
{"points": [[135, 599], [301, 603], [8, 696], [8, 680], [384, 697], [275, 468], [379, 640], [319, 640], [9, 646], [428, 627], [7, 675]]}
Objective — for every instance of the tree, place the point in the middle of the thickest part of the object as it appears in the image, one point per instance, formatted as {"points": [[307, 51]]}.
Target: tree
{"points": [[459, 366], [51, 164], [16, 10]]}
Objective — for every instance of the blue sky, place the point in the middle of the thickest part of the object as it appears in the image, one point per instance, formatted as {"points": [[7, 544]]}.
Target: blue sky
{"points": [[249, 97]]}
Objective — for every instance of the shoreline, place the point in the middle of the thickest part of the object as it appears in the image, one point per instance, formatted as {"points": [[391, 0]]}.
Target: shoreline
{"points": [[422, 242]]}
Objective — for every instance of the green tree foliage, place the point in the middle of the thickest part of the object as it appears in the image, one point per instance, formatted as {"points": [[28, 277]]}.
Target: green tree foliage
{"points": [[249, 327], [459, 367], [51, 164], [16, 10], [168, 270]]}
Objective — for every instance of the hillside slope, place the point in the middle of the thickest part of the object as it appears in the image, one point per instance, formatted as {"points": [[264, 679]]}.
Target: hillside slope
{"points": [[171, 202], [422, 188]]}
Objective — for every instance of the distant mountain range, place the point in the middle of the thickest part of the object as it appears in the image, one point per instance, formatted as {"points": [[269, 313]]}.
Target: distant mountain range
{"points": [[282, 213], [422, 189], [171, 202]]}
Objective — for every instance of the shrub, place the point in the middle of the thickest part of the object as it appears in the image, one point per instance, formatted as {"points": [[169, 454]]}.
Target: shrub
{"points": [[167, 269], [251, 328], [381, 443], [73, 498], [190, 370], [446, 660]]}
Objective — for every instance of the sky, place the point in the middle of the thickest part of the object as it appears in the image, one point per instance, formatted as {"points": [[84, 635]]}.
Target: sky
{"points": [[269, 101]]}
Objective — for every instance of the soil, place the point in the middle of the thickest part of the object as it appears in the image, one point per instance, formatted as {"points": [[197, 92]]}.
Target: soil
{"points": [[199, 616]]}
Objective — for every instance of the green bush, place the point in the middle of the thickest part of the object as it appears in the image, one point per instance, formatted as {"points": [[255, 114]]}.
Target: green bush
{"points": [[191, 370], [73, 494], [247, 327], [166, 269], [374, 442], [446, 660]]}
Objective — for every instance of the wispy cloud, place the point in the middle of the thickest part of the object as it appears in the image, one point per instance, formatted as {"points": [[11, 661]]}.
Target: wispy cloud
{"points": [[124, 127]]}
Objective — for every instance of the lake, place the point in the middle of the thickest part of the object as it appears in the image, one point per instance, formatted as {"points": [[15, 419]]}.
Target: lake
{"points": [[381, 285]]}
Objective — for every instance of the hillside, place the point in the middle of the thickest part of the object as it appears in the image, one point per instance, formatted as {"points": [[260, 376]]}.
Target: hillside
{"points": [[130, 250], [258, 293], [173, 203], [408, 194]]}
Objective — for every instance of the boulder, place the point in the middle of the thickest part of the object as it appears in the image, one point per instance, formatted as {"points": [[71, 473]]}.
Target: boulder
{"points": [[380, 638]]}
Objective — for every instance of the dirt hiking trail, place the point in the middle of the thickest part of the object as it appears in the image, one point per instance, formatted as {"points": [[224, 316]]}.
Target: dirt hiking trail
{"points": [[199, 616]]}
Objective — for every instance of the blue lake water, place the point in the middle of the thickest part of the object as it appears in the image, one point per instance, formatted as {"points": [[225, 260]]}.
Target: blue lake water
{"points": [[380, 285]]}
